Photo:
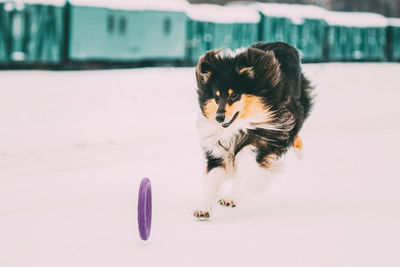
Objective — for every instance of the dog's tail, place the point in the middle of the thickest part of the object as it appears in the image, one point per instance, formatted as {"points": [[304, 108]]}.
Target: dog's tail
{"points": [[306, 100], [306, 97]]}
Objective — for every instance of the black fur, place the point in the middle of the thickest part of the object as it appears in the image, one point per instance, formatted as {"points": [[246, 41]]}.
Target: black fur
{"points": [[213, 162], [276, 77]]}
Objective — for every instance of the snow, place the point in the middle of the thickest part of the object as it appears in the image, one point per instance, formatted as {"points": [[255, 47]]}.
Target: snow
{"points": [[394, 22], [170, 5], [222, 14], [20, 3], [297, 13], [75, 145], [356, 19]]}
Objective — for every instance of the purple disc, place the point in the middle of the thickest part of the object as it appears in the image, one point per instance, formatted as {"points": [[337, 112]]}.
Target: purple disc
{"points": [[144, 209]]}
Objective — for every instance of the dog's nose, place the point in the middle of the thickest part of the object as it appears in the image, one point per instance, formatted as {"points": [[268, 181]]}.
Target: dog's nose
{"points": [[220, 117]]}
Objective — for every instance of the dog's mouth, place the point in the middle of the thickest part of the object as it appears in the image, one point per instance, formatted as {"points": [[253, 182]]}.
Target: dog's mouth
{"points": [[226, 125]]}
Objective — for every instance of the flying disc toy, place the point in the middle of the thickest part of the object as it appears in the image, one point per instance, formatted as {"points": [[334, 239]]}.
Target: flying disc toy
{"points": [[144, 209]]}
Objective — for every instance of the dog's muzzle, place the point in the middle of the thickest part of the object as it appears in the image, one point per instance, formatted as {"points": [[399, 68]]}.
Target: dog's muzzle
{"points": [[221, 117]]}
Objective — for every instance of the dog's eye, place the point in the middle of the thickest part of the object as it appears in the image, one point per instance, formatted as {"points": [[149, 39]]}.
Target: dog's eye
{"points": [[216, 97]]}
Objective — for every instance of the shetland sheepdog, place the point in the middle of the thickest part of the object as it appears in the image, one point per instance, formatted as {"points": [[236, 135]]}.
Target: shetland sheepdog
{"points": [[253, 104]]}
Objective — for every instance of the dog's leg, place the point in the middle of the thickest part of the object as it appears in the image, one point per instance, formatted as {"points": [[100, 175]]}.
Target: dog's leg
{"points": [[212, 184], [250, 176]]}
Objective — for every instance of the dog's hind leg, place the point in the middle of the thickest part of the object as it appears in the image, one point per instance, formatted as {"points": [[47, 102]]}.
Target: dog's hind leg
{"points": [[212, 185]]}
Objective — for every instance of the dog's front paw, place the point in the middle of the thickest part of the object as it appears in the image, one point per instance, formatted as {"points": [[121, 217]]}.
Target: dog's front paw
{"points": [[201, 214], [227, 203]]}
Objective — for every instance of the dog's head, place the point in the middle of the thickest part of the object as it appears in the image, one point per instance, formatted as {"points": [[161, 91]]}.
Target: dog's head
{"points": [[234, 86]]}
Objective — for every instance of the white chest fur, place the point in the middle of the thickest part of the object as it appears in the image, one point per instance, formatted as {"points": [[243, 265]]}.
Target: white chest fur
{"points": [[219, 141]]}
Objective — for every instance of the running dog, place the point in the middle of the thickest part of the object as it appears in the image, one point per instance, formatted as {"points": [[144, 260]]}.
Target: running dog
{"points": [[253, 104]]}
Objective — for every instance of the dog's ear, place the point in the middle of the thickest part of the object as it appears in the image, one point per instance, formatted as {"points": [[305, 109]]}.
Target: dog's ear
{"points": [[259, 64], [205, 67]]}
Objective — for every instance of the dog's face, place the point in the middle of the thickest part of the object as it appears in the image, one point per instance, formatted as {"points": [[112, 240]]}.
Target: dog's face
{"points": [[234, 87]]}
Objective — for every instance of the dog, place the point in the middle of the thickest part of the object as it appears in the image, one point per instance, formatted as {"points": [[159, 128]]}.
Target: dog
{"points": [[253, 104]]}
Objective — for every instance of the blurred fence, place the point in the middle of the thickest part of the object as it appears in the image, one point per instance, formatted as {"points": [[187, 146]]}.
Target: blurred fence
{"points": [[79, 32]]}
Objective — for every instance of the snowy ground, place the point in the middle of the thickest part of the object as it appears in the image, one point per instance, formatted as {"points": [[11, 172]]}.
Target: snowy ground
{"points": [[75, 145]]}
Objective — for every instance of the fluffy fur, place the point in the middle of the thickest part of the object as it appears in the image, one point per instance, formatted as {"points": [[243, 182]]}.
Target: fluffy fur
{"points": [[253, 104]]}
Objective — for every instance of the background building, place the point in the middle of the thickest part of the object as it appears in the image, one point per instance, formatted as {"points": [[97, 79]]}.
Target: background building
{"points": [[389, 8]]}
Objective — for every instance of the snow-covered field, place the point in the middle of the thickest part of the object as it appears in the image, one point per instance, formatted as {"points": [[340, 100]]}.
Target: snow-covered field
{"points": [[75, 145]]}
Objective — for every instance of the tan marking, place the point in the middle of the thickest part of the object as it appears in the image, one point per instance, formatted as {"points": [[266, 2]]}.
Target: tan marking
{"points": [[218, 93], [210, 109], [298, 143], [230, 91], [252, 106], [229, 110]]}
